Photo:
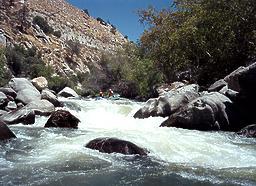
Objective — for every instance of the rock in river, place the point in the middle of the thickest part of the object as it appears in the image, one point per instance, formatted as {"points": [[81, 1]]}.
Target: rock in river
{"points": [[62, 119], [111, 145], [5, 132]]}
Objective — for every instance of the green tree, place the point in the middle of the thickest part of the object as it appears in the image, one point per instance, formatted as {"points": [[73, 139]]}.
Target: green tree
{"points": [[210, 38]]}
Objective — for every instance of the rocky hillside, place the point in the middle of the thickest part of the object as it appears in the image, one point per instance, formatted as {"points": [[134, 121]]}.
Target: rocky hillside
{"points": [[73, 25]]}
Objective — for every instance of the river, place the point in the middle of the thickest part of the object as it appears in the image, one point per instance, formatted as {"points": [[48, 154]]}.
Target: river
{"points": [[46, 156]]}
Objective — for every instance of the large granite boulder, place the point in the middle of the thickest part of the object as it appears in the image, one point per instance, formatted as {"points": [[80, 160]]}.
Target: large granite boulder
{"points": [[168, 103], [51, 97], [249, 131], [209, 112], [68, 92], [40, 83], [165, 88], [21, 115], [41, 107], [62, 119], [26, 92], [5, 132], [114, 145]]}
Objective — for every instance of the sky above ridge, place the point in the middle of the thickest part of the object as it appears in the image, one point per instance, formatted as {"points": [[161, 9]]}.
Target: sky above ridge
{"points": [[121, 13]]}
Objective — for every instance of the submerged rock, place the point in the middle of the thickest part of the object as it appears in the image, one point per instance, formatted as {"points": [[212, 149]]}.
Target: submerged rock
{"points": [[5, 132], [68, 92], [249, 131], [168, 103], [114, 145], [62, 119], [208, 112]]}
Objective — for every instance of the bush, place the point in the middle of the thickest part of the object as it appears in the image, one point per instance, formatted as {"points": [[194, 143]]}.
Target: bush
{"points": [[5, 75], [102, 21], [57, 33], [74, 47], [43, 24]]}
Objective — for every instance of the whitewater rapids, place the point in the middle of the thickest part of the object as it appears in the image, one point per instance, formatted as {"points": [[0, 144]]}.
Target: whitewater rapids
{"points": [[41, 156]]}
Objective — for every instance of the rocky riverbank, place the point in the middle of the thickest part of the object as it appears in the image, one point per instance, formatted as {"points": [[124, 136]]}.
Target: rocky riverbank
{"points": [[227, 105]]}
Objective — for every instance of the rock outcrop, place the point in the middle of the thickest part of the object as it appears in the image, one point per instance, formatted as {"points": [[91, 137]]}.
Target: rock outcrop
{"points": [[62, 119], [114, 145]]}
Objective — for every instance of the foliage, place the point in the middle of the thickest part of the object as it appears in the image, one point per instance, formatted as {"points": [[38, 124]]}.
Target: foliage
{"points": [[102, 21], [43, 24], [128, 68], [207, 37], [4, 73], [74, 47], [57, 33]]}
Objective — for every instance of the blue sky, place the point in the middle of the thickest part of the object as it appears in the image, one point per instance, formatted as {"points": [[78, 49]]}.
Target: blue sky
{"points": [[121, 13]]}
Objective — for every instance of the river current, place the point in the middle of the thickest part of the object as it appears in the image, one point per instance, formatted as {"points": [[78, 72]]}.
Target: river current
{"points": [[46, 156]]}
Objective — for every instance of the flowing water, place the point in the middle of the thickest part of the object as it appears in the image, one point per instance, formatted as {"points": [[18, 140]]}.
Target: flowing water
{"points": [[43, 156]]}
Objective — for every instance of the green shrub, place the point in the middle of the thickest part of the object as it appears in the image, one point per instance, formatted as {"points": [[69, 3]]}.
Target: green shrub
{"points": [[5, 75], [43, 24], [57, 33]]}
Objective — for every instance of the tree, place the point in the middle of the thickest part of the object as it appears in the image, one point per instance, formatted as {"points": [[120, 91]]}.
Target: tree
{"points": [[207, 37]]}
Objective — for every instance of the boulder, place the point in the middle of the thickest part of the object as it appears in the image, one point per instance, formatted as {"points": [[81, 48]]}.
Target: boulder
{"points": [[26, 92], [5, 132], [165, 88], [8, 92], [68, 92], [208, 112], [41, 107], [2, 112], [114, 145], [249, 131], [168, 103], [40, 83], [3, 100], [51, 97], [11, 106], [21, 115], [217, 86], [62, 119]]}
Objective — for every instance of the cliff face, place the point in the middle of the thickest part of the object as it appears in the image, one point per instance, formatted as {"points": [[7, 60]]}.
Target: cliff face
{"points": [[94, 37]]}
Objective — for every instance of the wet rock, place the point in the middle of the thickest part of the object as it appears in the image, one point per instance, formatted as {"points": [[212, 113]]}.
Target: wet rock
{"points": [[217, 86], [26, 92], [168, 103], [114, 145], [3, 100], [8, 92], [208, 112], [21, 115], [5, 132], [11, 106], [48, 95], [40, 83], [68, 92], [2, 112], [62, 119], [41, 107], [249, 131]]}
